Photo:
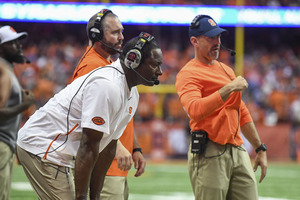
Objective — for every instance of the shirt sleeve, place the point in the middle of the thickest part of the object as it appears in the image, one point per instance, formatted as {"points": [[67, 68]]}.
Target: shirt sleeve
{"points": [[189, 92], [100, 104], [245, 114]]}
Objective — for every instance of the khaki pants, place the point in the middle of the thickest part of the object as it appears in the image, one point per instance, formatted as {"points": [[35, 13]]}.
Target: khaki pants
{"points": [[6, 166], [115, 188], [50, 181], [226, 175]]}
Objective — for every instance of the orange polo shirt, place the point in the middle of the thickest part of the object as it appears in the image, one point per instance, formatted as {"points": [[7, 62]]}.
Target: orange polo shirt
{"points": [[197, 86], [88, 63]]}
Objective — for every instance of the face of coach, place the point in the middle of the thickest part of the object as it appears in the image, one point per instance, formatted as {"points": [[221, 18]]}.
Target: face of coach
{"points": [[149, 69]]}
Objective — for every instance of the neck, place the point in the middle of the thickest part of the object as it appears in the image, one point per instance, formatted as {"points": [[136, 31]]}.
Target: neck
{"points": [[7, 62], [101, 51], [130, 75], [205, 60]]}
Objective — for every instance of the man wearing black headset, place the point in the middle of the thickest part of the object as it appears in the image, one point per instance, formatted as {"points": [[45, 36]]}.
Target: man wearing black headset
{"points": [[79, 127], [219, 165], [104, 31]]}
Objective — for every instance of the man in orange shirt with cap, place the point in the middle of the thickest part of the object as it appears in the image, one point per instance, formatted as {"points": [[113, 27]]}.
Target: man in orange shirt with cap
{"points": [[104, 30], [219, 165]]}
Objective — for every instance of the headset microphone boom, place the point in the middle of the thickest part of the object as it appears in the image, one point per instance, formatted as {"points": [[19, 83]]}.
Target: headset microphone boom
{"points": [[110, 47], [231, 51], [134, 56], [155, 82]]}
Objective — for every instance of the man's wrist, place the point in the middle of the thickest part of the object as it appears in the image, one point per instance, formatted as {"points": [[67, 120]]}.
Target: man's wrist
{"points": [[137, 149], [262, 147]]}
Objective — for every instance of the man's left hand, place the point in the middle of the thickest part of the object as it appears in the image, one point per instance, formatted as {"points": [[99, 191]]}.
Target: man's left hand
{"points": [[261, 159], [139, 163]]}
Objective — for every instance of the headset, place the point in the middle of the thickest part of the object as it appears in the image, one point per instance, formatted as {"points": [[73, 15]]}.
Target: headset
{"points": [[196, 23], [134, 56], [95, 32]]}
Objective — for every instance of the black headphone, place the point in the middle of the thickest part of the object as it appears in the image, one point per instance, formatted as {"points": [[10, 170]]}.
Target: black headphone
{"points": [[196, 21], [95, 32], [134, 56]]}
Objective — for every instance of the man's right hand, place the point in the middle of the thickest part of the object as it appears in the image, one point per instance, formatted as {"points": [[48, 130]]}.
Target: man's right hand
{"points": [[238, 84], [123, 157]]}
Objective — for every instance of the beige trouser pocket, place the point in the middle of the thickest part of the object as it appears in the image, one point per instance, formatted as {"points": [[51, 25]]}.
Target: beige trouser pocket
{"points": [[224, 173]]}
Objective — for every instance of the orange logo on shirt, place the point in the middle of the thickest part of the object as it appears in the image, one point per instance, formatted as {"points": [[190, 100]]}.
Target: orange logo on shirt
{"points": [[130, 110], [212, 22], [98, 120]]}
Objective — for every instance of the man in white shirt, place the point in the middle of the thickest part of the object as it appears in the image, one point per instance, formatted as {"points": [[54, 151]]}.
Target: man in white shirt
{"points": [[79, 127]]}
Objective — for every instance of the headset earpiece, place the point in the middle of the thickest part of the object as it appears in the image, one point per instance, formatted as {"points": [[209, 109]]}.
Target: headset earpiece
{"points": [[196, 21], [95, 32], [134, 56]]}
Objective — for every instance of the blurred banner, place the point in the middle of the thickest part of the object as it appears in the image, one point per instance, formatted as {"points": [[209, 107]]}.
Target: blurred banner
{"points": [[154, 14]]}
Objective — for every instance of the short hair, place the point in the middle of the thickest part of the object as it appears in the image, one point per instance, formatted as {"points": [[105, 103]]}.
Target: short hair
{"points": [[146, 50], [100, 26], [105, 25]]}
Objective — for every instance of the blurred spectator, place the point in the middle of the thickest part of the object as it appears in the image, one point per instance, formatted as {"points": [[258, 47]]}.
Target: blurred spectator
{"points": [[18, 100], [198, 2], [271, 66], [295, 125], [145, 111]]}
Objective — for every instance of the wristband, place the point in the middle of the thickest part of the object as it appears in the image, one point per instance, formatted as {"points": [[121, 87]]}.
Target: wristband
{"points": [[262, 147], [137, 149]]}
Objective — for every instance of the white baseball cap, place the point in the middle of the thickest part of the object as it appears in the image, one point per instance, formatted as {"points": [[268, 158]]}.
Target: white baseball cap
{"points": [[7, 33]]}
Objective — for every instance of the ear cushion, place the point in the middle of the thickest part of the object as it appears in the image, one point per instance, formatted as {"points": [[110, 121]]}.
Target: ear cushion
{"points": [[133, 59], [94, 27], [95, 34]]}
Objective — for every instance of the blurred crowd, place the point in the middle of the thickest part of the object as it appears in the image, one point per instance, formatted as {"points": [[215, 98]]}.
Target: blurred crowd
{"points": [[271, 67], [271, 61], [198, 2]]}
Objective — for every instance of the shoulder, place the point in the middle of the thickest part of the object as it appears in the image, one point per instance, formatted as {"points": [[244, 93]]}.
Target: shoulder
{"points": [[106, 77], [224, 65], [191, 69]]}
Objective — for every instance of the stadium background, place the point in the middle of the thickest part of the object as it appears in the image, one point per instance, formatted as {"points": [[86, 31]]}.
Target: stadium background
{"points": [[271, 67]]}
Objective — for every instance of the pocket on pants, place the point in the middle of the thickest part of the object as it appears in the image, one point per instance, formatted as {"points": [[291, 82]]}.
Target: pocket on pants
{"points": [[214, 150]]}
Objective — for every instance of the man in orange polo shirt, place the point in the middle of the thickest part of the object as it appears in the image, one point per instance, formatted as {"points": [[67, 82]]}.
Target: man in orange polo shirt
{"points": [[219, 165], [104, 30]]}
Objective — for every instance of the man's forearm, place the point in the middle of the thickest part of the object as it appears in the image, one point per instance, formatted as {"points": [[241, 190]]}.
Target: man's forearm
{"points": [[251, 134], [84, 164], [86, 158], [101, 166], [135, 141], [7, 113]]}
